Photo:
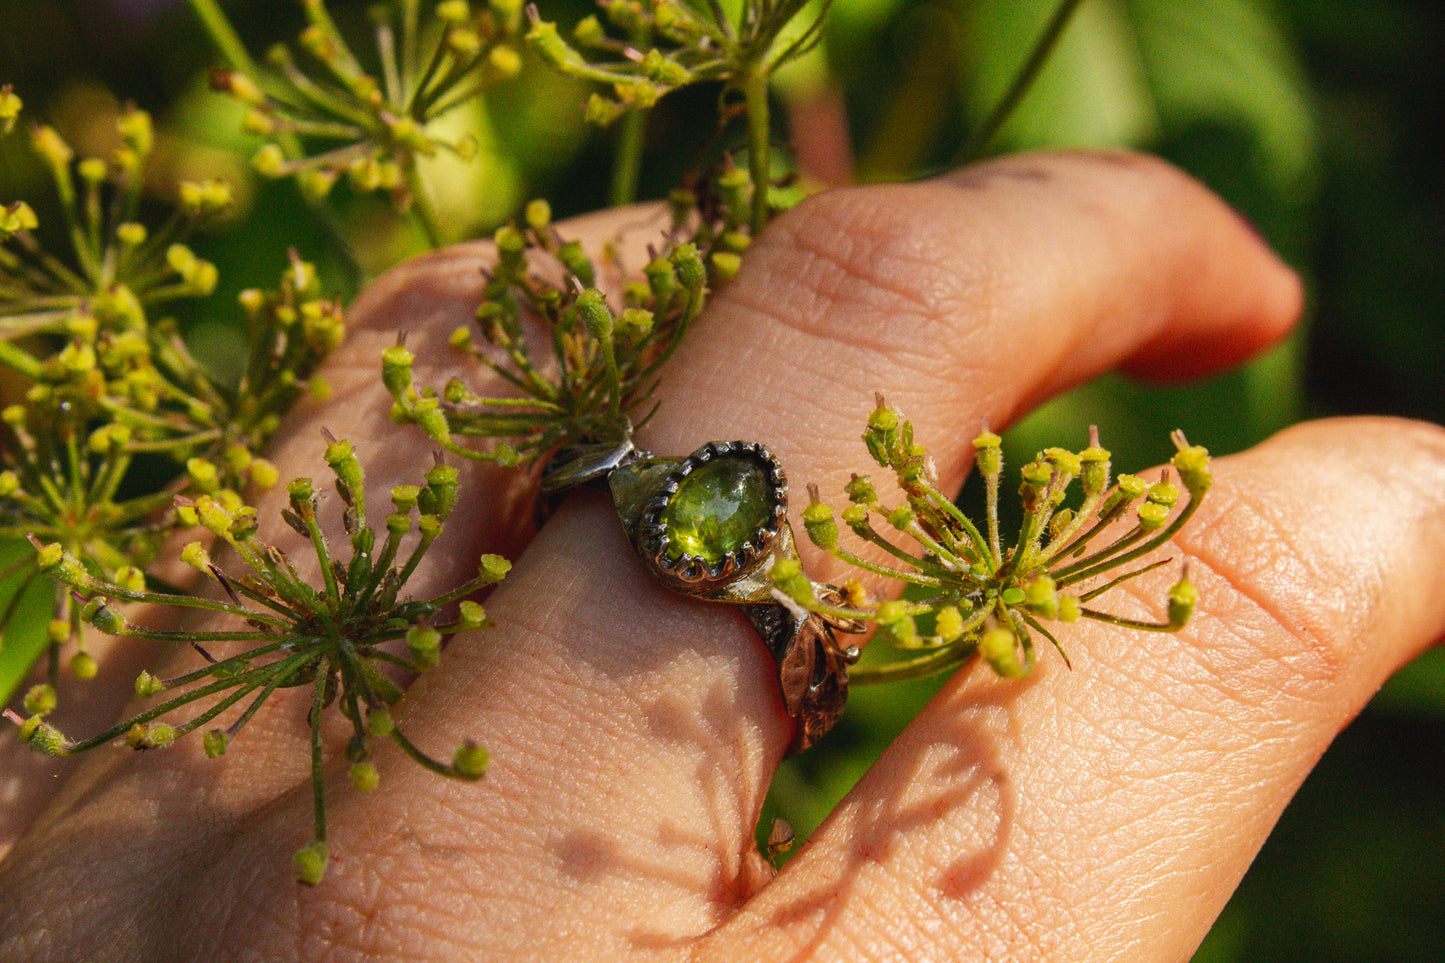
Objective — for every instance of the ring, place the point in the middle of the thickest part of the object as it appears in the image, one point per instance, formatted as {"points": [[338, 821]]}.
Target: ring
{"points": [[710, 526]]}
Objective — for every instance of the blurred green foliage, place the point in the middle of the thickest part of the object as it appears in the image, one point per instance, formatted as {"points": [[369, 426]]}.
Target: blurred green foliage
{"points": [[1320, 120]]}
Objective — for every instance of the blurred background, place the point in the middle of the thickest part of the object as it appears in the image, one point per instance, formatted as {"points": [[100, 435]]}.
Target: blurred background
{"points": [[1321, 120]]}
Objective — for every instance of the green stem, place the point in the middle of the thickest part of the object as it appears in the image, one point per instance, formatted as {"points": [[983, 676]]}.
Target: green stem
{"points": [[318, 783], [421, 758], [627, 161], [223, 35], [1022, 81], [755, 90], [421, 206], [917, 668]]}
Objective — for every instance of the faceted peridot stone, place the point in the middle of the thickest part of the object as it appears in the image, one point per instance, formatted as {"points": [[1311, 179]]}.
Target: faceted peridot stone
{"points": [[717, 508]]}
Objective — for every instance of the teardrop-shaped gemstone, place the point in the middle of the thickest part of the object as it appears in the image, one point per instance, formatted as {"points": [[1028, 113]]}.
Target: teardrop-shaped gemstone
{"points": [[718, 507]]}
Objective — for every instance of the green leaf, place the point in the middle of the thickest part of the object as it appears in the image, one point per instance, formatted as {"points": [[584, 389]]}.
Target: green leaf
{"points": [[1129, 72], [22, 639]]}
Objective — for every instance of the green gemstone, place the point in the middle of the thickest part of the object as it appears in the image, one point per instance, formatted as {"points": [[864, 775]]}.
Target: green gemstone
{"points": [[718, 507]]}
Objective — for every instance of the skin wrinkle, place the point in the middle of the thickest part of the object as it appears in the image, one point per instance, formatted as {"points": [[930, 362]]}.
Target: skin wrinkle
{"points": [[864, 253]]}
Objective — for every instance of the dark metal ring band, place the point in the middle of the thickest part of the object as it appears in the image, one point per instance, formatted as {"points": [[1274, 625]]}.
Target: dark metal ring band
{"points": [[710, 526]]}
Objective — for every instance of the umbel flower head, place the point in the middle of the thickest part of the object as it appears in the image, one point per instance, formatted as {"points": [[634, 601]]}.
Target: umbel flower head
{"points": [[600, 366], [105, 381], [967, 592], [346, 638], [325, 116]]}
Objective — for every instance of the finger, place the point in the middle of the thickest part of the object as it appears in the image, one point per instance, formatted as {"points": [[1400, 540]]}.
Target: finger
{"points": [[612, 706], [1111, 810]]}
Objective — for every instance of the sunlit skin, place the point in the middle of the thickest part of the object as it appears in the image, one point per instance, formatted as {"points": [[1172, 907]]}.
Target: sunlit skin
{"points": [[1096, 814]]}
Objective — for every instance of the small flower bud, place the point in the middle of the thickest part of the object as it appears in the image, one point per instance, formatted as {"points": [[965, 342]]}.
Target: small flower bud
{"points": [[453, 11], [634, 324], [896, 622], [1127, 489], [787, 577], [103, 617], [1183, 596], [595, 315], [1042, 597], [269, 161], [439, 496], [538, 214], [725, 265], [470, 761], [1192, 464], [948, 624], [661, 277], [91, 169], [10, 106], [147, 685], [425, 644], [396, 363], [363, 776], [309, 863], [238, 85], [1000, 649], [687, 265], [379, 722], [150, 735], [856, 518], [988, 453], [350, 482], [881, 436], [82, 664], [494, 568], [215, 743], [506, 61], [52, 148], [860, 490], [1036, 477], [16, 217], [203, 474], [263, 474], [471, 615], [818, 520], [1064, 461], [1163, 493], [1152, 516], [40, 700], [43, 738], [901, 517]]}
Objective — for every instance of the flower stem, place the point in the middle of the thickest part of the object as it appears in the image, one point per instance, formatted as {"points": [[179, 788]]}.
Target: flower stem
{"points": [[223, 35], [1022, 81], [627, 162], [755, 91]]}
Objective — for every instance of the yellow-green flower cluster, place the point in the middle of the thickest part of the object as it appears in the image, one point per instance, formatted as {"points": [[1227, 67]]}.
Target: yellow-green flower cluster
{"points": [[603, 362], [968, 593], [344, 637], [667, 44], [325, 117], [106, 381]]}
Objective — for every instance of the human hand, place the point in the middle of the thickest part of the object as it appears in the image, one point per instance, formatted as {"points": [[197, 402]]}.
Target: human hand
{"points": [[1099, 813]]}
